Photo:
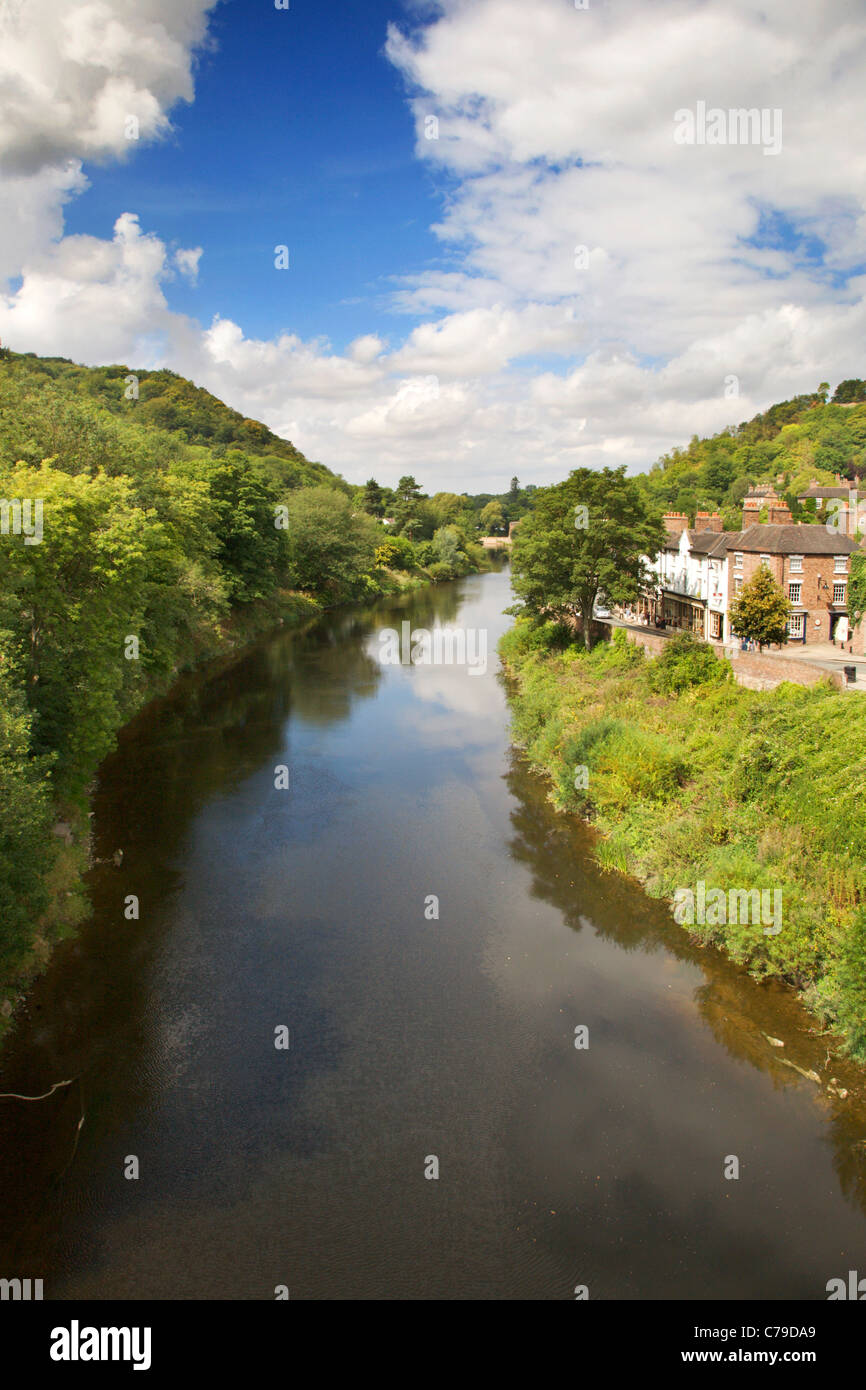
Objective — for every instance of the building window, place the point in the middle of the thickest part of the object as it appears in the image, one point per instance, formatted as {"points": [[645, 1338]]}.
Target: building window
{"points": [[839, 593], [796, 564], [794, 592], [765, 560], [795, 625], [738, 559], [738, 583], [840, 564]]}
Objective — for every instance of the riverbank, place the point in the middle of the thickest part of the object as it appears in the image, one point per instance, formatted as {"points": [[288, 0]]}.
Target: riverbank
{"points": [[66, 839], [697, 784], [67, 847]]}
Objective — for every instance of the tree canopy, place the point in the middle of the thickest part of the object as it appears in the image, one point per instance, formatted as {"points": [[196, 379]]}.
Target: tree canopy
{"points": [[759, 613], [587, 535]]}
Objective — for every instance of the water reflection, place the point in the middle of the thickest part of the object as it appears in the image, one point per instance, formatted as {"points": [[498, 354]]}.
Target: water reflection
{"points": [[742, 1013]]}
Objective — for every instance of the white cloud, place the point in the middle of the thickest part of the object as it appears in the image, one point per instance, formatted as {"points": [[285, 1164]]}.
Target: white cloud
{"points": [[73, 71], [187, 262], [366, 349]]}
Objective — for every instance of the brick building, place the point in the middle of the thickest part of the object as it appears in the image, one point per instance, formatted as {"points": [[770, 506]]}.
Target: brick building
{"points": [[809, 563], [699, 572]]}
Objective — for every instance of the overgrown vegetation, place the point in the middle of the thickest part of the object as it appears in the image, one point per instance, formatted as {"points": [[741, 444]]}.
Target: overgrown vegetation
{"points": [[690, 777]]}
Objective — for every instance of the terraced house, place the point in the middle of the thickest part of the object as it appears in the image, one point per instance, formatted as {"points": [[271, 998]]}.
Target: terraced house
{"points": [[810, 564], [700, 570]]}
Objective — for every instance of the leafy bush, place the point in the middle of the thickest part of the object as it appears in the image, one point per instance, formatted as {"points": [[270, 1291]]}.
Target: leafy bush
{"points": [[684, 662], [528, 635], [396, 553]]}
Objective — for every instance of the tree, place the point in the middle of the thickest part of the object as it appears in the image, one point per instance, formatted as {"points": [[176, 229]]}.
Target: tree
{"points": [[851, 390], [407, 512], [514, 490], [372, 500], [446, 545], [408, 490], [445, 507], [589, 533], [493, 519], [396, 553], [760, 611], [330, 550], [68, 604]]}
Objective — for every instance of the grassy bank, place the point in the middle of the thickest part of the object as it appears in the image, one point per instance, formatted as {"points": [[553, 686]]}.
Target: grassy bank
{"points": [[691, 778]]}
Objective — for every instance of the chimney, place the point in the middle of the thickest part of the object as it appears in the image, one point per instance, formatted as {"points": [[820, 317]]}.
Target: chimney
{"points": [[751, 510], [779, 514], [708, 521]]}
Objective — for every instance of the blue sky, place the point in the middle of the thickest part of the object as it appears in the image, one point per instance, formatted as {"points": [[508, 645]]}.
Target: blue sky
{"points": [[299, 134], [436, 318]]}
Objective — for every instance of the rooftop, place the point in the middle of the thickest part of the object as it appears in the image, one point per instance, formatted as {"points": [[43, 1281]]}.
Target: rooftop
{"points": [[824, 492], [793, 540]]}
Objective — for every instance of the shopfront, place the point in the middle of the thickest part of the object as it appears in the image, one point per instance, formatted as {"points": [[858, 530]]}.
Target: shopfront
{"points": [[684, 614]]}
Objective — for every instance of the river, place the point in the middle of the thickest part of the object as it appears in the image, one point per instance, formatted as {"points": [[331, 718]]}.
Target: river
{"points": [[412, 1038]]}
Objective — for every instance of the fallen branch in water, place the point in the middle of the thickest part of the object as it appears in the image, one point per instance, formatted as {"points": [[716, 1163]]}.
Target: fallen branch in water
{"points": [[11, 1095]]}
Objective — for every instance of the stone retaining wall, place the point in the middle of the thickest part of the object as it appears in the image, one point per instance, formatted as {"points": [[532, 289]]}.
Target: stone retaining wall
{"points": [[754, 670]]}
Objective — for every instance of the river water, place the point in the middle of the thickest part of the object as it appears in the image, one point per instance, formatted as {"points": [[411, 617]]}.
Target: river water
{"points": [[411, 1038]]}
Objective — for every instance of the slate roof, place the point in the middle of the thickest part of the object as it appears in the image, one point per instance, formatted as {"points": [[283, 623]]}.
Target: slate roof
{"points": [[824, 492], [766, 540], [793, 540]]}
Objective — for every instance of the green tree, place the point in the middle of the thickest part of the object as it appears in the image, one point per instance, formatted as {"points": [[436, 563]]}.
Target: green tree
{"points": [[493, 519], [851, 390], [445, 508], [250, 547], [330, 550], [71, 601], [760, 611], [372, 500], [407, 513], [589, 533], [407, 489], [446, 547]]}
